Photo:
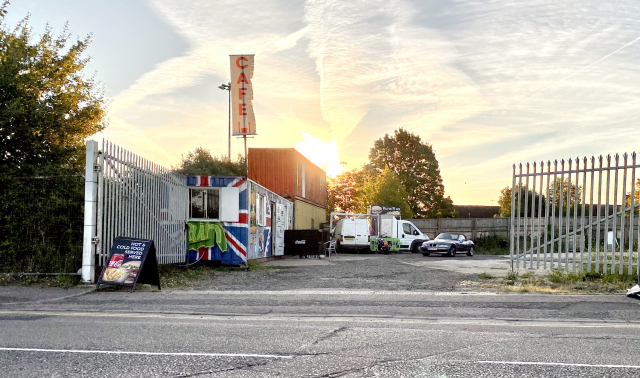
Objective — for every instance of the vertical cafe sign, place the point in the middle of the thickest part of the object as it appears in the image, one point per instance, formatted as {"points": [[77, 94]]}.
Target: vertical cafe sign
{"points": [[243, 119]]}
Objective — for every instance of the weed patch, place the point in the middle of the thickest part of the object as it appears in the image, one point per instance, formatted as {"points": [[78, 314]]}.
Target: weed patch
{"points": [[558, 281]]}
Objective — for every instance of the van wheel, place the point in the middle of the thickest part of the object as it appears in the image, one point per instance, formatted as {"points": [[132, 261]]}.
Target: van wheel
{"points": [[416, 248], [338, 247]]}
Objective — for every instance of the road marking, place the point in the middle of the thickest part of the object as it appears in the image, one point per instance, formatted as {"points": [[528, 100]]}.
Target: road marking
{"points": [[329, 318], [145, 353], [330, 292], [556, 364]]}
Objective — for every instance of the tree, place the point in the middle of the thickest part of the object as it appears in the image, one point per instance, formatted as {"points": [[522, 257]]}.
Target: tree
{"points": [[636, 198], [575, 203], [505, 201], [201, 162], [342, 192], [47, 106], [534, 198], [415, 164], [384, 189], [47, 109]]}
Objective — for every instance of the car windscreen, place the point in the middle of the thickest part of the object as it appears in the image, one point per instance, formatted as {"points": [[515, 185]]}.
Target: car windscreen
{"points": [[447, 236]]}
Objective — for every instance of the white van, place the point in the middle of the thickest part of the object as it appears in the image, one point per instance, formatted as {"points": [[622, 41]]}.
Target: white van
{"points": [[352, 233], [410, 237]]}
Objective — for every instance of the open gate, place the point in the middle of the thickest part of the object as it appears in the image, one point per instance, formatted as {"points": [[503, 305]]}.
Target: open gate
{"points": [[581, 216], [133, 198]]}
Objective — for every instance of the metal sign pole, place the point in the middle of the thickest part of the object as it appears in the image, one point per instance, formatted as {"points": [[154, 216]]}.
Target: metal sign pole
{"points": [[246, 162]]}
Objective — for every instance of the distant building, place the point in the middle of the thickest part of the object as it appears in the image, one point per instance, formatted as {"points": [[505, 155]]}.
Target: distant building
{"points": [[470, 211], [288, 173]]}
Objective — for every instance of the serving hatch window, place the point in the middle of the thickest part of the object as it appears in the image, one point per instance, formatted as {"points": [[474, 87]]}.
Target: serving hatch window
{"points": [[204, 203]]}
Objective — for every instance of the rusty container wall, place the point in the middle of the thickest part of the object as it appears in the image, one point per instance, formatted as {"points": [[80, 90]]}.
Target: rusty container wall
{"points": [[288, 173]]}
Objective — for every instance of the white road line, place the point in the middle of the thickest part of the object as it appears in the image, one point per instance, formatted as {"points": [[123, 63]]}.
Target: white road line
{"points": [[331, 292], [556, 364], [145, 353]]}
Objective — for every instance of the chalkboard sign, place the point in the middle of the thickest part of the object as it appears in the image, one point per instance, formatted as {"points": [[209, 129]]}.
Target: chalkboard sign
{"points": [[131, 261]]}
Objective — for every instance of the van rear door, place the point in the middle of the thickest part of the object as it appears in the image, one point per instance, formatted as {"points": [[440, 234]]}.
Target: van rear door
{"points": [[362, 232], [348, 232]]}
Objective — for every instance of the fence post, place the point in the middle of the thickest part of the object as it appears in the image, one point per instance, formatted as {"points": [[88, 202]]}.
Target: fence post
{"points": [[90, 211]]}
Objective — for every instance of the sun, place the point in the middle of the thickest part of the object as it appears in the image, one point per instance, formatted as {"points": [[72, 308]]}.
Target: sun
{"points": [[323, 154]]}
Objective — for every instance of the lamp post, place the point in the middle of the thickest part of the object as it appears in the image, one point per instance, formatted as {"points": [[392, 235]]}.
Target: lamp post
{"points": [[227, 87]]}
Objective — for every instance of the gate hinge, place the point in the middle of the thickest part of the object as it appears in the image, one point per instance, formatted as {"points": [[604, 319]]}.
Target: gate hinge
{"points": [[97, 168], [95, 240]]}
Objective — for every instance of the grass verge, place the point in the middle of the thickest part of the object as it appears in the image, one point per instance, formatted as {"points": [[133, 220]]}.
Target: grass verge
{"points": [[558, 281]]}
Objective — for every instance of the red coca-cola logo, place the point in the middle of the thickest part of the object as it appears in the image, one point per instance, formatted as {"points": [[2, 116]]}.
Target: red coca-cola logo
{"points": [[116, 261]]}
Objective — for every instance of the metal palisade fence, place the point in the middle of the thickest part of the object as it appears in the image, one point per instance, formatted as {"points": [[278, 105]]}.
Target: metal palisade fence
{"points": [[579, 215], [140, 199]]}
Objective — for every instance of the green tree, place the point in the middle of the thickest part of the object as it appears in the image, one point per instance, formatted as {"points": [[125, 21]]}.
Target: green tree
{"points": [[415, 164], [201, 162], [534, 199], [574, 204], [636, 198], [47, 109], [342, 192], [47, 106], [384, 189], [504, 201]]}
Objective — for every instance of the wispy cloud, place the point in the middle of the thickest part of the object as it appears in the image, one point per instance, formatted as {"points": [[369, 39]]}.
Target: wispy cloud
{"points": [[532, 80]]}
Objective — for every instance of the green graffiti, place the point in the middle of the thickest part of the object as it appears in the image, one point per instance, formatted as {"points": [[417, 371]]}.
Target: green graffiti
{"points": [[206, 234]]}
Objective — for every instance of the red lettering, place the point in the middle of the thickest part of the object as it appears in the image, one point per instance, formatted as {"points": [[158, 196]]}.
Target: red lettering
{"points": [[239, 64], [241, 92], [242, 79], [242, 109]]}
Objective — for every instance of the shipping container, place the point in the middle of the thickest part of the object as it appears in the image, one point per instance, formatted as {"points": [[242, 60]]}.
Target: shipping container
{"points": [[233, 219], [288, 173]]}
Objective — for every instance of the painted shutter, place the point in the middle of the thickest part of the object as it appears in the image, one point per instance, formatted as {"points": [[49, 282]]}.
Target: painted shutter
{"points": [[229, 204]]}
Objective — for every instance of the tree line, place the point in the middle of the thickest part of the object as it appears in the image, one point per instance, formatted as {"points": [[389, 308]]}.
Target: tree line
{"points": [[47, 108], [402, 171], [535, 201]]}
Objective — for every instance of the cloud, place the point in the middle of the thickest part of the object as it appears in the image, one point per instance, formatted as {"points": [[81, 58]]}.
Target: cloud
{"points": [[369, 54], [212, 40], [487, 84]]}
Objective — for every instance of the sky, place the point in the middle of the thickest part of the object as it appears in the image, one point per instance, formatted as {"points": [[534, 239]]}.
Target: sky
{"points": [[486, 83]]}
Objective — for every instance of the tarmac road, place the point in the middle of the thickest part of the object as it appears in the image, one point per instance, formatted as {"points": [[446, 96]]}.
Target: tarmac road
{"points": [[362, 330]]}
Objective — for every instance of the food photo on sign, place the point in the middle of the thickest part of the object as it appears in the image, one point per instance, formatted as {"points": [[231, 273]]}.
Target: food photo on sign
{"points": [[123, 267]]}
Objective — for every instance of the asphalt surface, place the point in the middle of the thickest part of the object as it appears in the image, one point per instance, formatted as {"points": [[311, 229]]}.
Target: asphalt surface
{"points": [[354, 316]]}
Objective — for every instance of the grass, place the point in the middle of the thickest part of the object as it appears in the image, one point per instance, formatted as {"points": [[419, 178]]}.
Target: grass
{"points": [[485, 276], [493, 251], [558, 281]]}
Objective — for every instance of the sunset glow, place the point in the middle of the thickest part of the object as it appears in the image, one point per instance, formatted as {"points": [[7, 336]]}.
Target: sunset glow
{"points": [[324, 155]]}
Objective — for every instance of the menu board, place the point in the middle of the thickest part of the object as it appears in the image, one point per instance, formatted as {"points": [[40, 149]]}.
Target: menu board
{"points": [[131, 261]]}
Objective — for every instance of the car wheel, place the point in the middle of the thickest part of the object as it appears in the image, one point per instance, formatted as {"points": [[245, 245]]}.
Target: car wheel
{"points": [[470, 253], [452, 252]]}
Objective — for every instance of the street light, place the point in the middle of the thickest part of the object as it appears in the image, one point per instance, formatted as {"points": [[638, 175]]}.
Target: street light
{"points": [[227, 87]]}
